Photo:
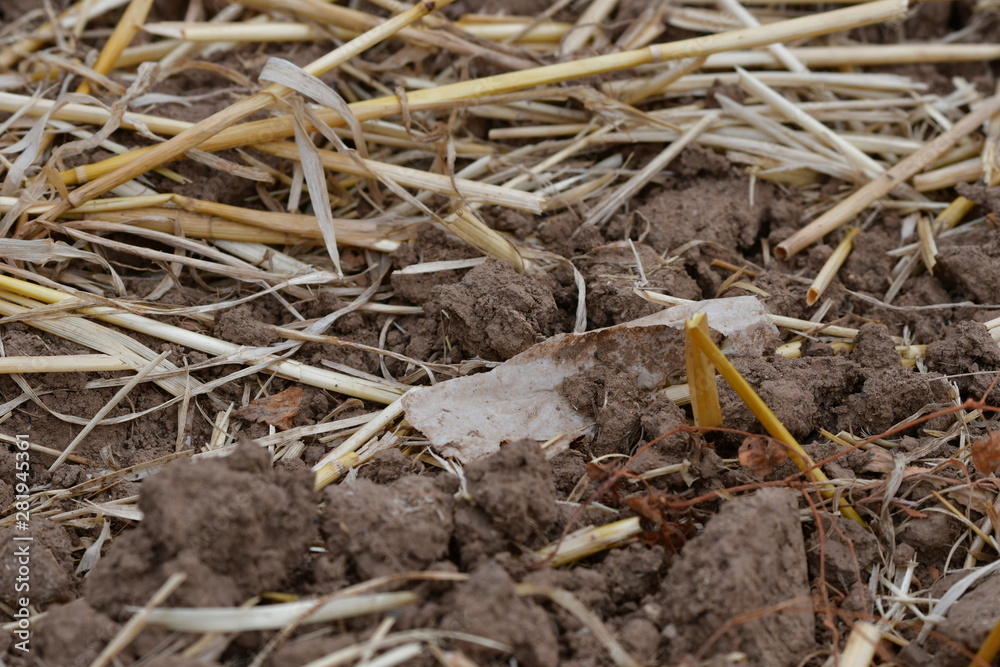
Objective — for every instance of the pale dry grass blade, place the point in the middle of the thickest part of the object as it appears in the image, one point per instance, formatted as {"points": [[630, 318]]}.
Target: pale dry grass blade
{"points": [[125, 31], [273, 617], [79, 13], [287, 368], [859, 55], [96, 337], [566, 600], [867, 166]]}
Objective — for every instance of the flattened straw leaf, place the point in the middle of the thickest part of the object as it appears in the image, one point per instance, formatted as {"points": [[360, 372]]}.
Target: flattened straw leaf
{"points": [[312, 169], [770, 423], [792, 323], [464, 93], [96, 337], [62, 363], [940, 609], [881, 186], [590, 620], [280, 71], [137, 623], [831, 266], [861, 645], [108, 407], [472, 191], [92, 554], [195, 135], [701, 377], [273, 617]]}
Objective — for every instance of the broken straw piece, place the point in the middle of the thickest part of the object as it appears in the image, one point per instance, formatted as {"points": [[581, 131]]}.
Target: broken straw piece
{"points": [[469, 417]]}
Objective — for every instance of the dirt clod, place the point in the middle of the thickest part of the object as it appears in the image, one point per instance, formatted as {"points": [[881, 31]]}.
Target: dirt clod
{"points": [[386, 530], [495, 313], [750, 558], [236, 526]]}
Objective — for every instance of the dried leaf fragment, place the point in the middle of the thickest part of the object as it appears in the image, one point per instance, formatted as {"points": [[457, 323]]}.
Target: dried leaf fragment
{"points": [[278, 410], [762, 454], [986, 453]]}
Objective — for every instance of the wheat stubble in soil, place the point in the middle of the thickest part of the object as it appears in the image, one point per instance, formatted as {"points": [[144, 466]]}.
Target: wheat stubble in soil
{"points": [[759, 578]]}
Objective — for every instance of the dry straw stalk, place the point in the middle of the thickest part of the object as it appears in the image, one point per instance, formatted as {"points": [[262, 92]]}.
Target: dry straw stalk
{"points": [[883, 184], [294, 370], [212, 125], [210, 135], [768, 420], [62, 363], [701, 376], [831, 267]]}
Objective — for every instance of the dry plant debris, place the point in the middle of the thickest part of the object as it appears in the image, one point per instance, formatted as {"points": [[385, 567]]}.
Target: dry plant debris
{"points": [[335, 333]]}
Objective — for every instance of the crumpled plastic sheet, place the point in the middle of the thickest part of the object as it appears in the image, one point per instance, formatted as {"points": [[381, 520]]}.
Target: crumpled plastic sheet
{"points": [[470, 417]]}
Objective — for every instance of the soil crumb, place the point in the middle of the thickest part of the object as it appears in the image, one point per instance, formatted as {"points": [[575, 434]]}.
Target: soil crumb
{"points": [[750, 558], [386, 530], [969, 353], [495, 312], [235, 525], [488, 606]]}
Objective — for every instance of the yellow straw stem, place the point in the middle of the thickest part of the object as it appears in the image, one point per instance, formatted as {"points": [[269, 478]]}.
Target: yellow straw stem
{"points": [[768, 420], [953, 215], [831, 267], [701, 376], [928, 248], [128, 26]]}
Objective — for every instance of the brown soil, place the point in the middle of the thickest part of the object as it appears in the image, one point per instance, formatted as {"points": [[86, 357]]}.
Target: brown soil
{"points": [[733, 565]]}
